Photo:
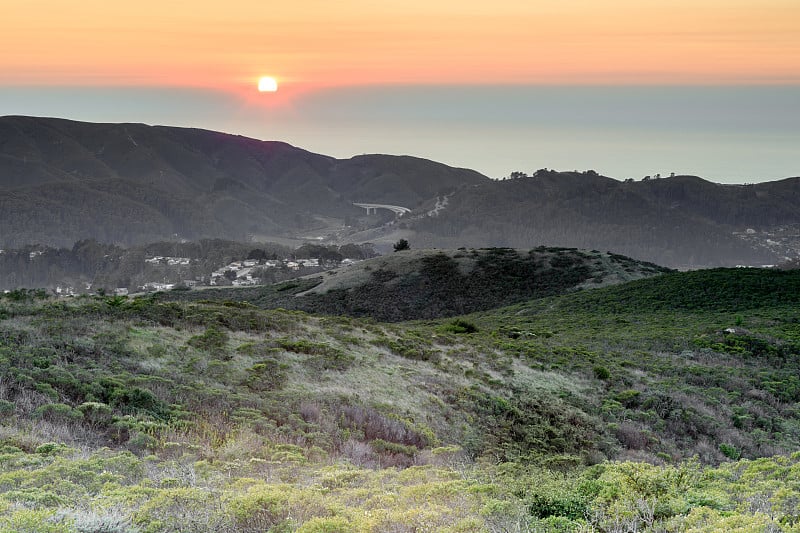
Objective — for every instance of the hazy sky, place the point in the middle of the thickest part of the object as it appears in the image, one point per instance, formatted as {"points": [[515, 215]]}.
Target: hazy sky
{"points": [[626, 87]]}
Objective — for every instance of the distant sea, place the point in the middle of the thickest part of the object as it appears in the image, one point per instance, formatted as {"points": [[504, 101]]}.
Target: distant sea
{"points": [[728, 134]]}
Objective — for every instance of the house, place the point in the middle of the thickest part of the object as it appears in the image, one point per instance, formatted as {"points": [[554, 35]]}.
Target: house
{"points": [[65, 291], [156, 286]]}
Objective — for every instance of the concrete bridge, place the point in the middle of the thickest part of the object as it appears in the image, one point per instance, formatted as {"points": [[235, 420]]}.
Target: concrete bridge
{"points": [[372, 208]]}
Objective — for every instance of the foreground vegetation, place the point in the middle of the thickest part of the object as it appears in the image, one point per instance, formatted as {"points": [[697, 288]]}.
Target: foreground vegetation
{"points": [[665, 404]]}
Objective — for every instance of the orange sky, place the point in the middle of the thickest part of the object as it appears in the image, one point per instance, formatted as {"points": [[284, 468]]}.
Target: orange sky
{"points": [[315, 43]]}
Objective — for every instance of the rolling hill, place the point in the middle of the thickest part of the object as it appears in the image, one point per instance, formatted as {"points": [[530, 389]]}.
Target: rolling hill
{"points": [[662, 404], [424, 284], [680, 221], [63, 181]]}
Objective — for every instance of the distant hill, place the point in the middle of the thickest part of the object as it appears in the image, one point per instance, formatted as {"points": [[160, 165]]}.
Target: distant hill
{"points": [[681, 221], [62, 181], [425, 284]]}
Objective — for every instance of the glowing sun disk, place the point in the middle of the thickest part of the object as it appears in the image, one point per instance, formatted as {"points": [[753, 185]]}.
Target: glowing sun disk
{"points": [[267, 84]]}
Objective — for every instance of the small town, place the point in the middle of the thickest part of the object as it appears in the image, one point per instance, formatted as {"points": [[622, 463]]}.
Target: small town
{"points": [[239, 273]]}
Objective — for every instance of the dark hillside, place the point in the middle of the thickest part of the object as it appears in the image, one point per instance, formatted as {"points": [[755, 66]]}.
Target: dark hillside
{"points": [[62, 181], [680, 221], [426, 284], [403, 180]]}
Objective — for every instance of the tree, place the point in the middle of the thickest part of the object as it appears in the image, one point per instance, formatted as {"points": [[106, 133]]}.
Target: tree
{"points": [[400, 245], [257, 254]]}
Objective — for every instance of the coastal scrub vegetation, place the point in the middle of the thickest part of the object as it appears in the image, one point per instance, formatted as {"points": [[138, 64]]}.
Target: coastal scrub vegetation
{"points": [[665, 404]]}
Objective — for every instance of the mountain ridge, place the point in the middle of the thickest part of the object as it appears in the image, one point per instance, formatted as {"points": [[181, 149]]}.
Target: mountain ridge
{"points": [[62, 181], [280, 188], [651, 219]]}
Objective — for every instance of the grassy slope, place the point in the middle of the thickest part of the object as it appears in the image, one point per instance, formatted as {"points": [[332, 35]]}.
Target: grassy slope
{"points": [[240, 419], [439, 283]]}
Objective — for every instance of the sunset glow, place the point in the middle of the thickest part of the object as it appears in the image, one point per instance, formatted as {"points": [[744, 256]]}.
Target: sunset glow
{"points": [[703, 86], [267, 84], [356, 42]]}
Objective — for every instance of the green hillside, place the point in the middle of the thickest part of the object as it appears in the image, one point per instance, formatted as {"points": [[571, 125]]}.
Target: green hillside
{"points": [[417, 284], [646, 406]]}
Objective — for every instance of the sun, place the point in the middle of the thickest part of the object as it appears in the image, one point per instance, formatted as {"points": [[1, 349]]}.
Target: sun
{"points": [[267, 84]]}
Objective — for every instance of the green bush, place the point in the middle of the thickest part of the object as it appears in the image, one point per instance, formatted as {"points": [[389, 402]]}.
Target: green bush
{"points": [[730, 451], [31, 521], [260, 508], [629, 398], [57, 412], [460, 326], [49, 448], [213, 339], [559, 504], [324, 356], [137, 400], [267, 374], [335, 524], [6, 407], [413, 349], [382, 446], [96, 413], [601, 372]]}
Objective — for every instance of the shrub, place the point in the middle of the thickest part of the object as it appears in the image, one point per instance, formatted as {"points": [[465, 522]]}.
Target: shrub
{"points": [[460, 326], [401, 245], [324, 356], [413, 349], [629, 398], [382, 446], [57, 412], [47, 390], [335, 524], [6, 407], [267, 374], [213, 339], [30, 521], [138, 400], [730, 451], [96, 413], [49, 448], [558, 503], [140, 441], [112, 521], [262, 508], [601, 372]]}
